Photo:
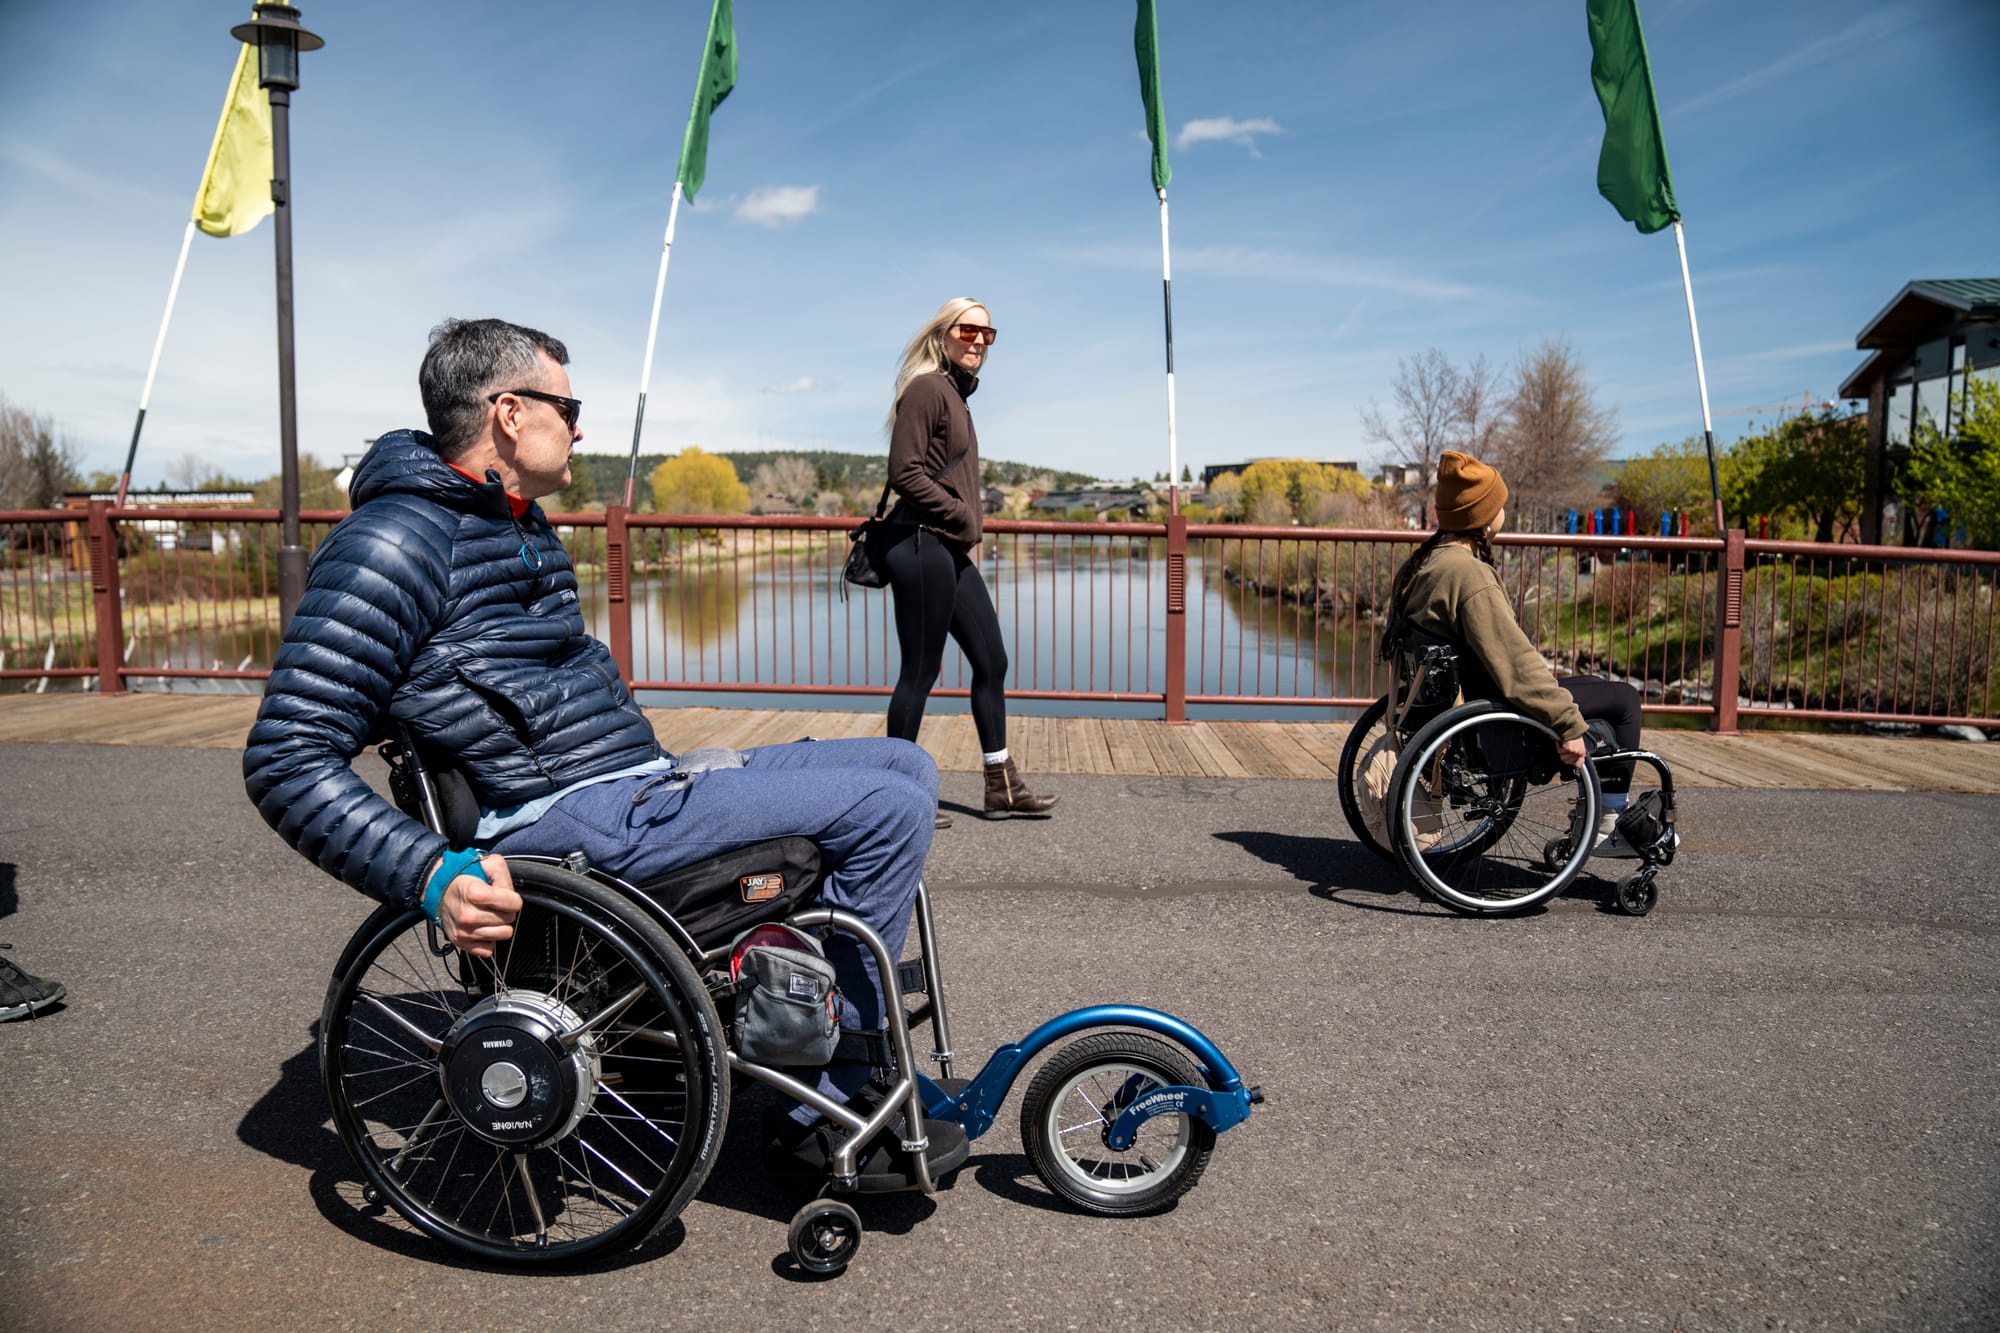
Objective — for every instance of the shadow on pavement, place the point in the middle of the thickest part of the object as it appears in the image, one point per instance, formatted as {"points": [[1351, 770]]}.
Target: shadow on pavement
{"points": [[1339, 870], [290, 1122]]}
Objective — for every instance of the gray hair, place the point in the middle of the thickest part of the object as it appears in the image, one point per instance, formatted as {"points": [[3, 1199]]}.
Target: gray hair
{"points": [[468, 359]]}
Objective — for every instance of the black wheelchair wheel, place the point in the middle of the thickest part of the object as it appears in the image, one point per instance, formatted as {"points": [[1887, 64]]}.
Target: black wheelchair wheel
{"points": [[1071, 1105], [565, 1099], [1484, 817], [824, 1236], [1369, 731]]}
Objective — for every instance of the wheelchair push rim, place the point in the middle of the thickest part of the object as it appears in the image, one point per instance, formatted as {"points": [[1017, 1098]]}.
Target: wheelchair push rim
{"points": [[1491, 837], [564, 1100]]}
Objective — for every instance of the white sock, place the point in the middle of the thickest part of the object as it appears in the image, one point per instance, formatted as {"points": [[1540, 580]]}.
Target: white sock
{"points": [[999, 756]]}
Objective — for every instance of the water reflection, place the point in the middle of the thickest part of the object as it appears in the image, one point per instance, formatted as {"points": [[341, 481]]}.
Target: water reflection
{"points": [[1079, 615]]}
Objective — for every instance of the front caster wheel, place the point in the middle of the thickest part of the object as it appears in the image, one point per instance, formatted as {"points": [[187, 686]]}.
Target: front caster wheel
{"points": [[1067, 1115], [825, 1235], [1637, 893]]}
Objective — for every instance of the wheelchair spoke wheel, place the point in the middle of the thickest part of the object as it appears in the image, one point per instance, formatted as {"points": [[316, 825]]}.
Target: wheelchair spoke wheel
{"points": [[564, 1099], [1069, 1110], [1365, 740], [1483, 815]]}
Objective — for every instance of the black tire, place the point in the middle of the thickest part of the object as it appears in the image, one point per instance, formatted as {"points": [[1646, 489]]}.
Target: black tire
{"points": [[1072, 1103], [1494, 806], [588, 988], [1637, 893], [1367, 729], [824, 1236]]}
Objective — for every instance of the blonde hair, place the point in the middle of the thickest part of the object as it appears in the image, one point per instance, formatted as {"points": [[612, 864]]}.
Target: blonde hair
{"points": [[925, 354]]}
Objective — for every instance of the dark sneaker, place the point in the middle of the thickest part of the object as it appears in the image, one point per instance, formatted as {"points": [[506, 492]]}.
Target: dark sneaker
{"points": [[22, 995]]}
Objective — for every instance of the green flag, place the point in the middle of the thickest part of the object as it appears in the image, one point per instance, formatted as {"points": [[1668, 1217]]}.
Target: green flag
{"points": [[1146, 42], [711, 84], [1632, 169]]}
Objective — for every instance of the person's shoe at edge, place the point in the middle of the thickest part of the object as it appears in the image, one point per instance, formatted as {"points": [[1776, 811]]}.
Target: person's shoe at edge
{"points": [[1007, 795], [23, 995]]}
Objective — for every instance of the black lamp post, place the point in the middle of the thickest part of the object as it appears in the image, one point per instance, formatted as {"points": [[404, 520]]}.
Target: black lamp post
{"points": [[279, 39]]}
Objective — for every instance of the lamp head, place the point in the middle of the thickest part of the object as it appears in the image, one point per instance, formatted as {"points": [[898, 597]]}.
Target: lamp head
{"points": [[279, 38]]}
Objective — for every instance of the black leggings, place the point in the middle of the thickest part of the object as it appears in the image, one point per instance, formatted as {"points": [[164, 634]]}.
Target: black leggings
{"points": [[1615, 703], [938, 591]]}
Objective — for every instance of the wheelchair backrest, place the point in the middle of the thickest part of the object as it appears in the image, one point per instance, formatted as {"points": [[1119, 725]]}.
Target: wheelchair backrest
{"points": [[708, 903], [434, 793], [1429, 666]]}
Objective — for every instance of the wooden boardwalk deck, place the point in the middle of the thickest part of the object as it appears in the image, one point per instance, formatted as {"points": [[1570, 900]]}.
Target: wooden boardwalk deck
{"points": [[1099, 746]]}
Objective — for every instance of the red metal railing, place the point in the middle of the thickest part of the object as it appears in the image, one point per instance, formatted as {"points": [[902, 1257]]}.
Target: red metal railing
{"points": [[1163, 614]]}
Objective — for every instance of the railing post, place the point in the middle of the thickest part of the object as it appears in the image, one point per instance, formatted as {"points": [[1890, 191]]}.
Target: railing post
{"points": [[618, 589], [103, 545], [1177, 546], [1729, 631]]}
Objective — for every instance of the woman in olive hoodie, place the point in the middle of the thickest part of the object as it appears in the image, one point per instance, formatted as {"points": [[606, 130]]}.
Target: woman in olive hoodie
{"points": [[1448, 589], [934, 532]]}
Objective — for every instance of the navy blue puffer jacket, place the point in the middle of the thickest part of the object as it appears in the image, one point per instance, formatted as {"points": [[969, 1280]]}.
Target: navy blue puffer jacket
{"points": [[421, 607]]}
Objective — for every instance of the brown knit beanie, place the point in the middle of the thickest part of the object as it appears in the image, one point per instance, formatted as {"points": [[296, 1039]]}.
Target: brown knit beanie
{"points": [[1469, 493]]}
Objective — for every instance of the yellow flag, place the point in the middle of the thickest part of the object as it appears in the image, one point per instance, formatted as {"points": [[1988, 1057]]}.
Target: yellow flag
{"points": [[235, 191]]}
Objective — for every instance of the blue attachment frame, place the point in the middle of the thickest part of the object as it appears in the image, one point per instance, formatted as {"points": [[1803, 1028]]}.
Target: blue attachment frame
{"points": [[1224, 1103]]}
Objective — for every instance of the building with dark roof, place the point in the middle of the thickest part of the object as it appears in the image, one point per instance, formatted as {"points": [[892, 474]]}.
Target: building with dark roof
{"points": [[1922, 348]]}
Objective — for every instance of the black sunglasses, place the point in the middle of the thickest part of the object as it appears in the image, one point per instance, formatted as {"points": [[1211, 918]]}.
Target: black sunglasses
{"points": [[571, 408], [972, 333]]}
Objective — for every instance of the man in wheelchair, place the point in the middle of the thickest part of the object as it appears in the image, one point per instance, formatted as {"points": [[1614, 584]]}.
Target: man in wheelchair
{"points": [[1447, 592], [446, 604]]}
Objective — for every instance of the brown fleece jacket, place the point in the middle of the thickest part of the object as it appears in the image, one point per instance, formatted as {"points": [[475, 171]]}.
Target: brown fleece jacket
{"points": [[1455, 595], [932, 426]]}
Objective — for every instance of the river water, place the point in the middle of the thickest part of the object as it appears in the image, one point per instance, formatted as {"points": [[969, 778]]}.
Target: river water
{"points": [[1084, 620]]}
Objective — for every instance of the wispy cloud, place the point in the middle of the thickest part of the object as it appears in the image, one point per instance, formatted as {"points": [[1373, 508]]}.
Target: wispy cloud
{"points": [[1361, 273], [91, 185], [779, 205], [1868, 31], [803, 384], [1227, 129]]}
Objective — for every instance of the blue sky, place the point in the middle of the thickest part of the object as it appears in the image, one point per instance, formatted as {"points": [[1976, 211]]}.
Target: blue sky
{"points": [[1352, 183]]}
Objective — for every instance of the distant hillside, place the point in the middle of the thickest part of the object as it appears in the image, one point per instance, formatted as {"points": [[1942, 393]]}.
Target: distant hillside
{"points": [[605, 473]]}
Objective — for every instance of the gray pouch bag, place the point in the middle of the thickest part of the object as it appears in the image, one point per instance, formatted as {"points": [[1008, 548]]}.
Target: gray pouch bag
{"points": [[787, 1006]]}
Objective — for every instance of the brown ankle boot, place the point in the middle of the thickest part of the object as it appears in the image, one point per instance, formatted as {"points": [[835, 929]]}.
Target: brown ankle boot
{"points": [[1007, 795]]}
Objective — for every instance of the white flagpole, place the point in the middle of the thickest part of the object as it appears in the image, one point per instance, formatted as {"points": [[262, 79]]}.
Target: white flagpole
{"points": [[1701, 381], [652, 334], [1167, 295], [152, 369]]}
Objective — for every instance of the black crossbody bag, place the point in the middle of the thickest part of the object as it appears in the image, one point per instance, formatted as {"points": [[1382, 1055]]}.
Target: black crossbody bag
{"points": [[870, 538]]}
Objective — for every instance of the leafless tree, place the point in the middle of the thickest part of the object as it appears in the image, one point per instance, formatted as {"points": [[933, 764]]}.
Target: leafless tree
{"points": [[192, 472], [1481, 408], [788, 475], [1436, 406], [1425, 406], [36, 465], [1552, 437]]}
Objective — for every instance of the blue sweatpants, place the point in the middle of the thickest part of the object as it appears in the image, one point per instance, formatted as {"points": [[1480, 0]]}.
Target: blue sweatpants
{"points": [[869, 804]]}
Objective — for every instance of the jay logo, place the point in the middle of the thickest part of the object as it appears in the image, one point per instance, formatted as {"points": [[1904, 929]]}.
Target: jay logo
{"points": [[761, 888]]}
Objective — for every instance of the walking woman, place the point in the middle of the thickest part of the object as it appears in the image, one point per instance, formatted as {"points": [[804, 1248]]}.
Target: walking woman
{"points": [[934, 533], [1448, 589]]}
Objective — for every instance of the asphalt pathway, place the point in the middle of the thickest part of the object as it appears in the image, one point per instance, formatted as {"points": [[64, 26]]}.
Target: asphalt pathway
{"points": [[1770, 1104]]}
